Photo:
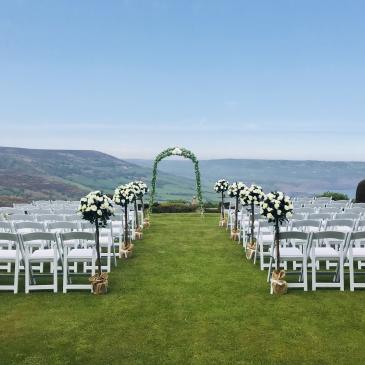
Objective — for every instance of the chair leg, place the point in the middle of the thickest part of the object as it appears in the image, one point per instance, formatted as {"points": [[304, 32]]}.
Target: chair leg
{"points": [[351, 264], [27, 268], [269, 272], [304, 274], [342, 284], [314, 267], [65, 272], [16, 275], [55, 277]]}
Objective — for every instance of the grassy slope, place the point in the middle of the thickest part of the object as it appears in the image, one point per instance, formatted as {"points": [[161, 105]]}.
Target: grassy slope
{"points": [[66, 174], [187, 297]]}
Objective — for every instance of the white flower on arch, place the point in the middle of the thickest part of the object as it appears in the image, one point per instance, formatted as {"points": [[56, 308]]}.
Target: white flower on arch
{"points": [[176, 151]]}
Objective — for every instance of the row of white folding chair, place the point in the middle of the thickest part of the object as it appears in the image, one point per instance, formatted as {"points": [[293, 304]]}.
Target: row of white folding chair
{"points": [[265, 234], [323, 246], [313, 245], [106, 234], [21, 248]]}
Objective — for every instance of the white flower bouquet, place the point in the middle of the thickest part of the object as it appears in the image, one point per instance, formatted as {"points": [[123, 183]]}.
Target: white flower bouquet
{"points": [[97, 208], [124, 195], [277, 208], [221, 186], [252, 196], [234, 191]]}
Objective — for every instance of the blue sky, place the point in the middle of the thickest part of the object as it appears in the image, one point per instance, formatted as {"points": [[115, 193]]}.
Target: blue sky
{"points": [[235, 79]]}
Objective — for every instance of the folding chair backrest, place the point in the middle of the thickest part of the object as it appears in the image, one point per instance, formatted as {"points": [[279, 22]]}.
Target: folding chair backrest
{"points": [[49, 217], [307, 223], [62, 226], [6, 227], [335, 235], [36, 226], [321, 216], [338, 223], [69, 236], [87, 226], [21, 217], [38, 236], [73, 217], [359, 235], [294, 235], [347, 216], [13, 237]]}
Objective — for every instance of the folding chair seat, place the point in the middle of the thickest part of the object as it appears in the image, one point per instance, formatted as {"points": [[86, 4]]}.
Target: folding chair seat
{"points": [[322, 249], [48, 253], [85, 254], [10, 255]]}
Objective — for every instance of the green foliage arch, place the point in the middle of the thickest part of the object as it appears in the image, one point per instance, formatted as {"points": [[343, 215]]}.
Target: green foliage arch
{"points": [[176, 151]]}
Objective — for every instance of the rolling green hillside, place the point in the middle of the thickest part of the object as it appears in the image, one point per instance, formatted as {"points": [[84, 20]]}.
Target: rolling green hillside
{"points": [[293, 177], [27, 174]]}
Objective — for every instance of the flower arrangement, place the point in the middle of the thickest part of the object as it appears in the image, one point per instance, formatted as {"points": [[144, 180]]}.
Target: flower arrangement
{"points": [[221, 186], [140, 189], [97, 208], [252, 196], [277, 208], [234, 191], [124, 195]]}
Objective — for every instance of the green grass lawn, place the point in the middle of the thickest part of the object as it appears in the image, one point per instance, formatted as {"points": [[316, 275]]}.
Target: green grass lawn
{"points": [[188, 296]]}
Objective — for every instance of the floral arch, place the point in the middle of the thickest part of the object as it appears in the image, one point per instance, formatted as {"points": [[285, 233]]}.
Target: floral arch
{"points": [[176, 151]]}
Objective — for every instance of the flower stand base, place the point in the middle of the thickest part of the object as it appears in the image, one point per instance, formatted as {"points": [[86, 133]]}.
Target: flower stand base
{"points": [[223, 223], [99, 283], [146, 223], [126, 251], [250, 250], [139, 233], [278, 285], [235, 235]]}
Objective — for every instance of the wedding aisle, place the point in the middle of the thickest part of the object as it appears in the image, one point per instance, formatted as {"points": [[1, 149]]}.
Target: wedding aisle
{"points": [[187, 296]]}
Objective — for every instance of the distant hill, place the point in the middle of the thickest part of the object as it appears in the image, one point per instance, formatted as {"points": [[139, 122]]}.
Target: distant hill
{"points": [[28, 174], [293, 177]]}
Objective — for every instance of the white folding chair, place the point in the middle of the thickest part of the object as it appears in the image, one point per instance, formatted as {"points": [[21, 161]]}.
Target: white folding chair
{"points": [[85, 254], [10, 255], [355, 252], [328, 246], [48, 253], [294, 247]]}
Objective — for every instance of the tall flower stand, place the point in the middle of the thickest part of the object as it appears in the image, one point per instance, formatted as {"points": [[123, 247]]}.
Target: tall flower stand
{"points": [[235, 233], [278, 285], [126, 250], [223, 221]]}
